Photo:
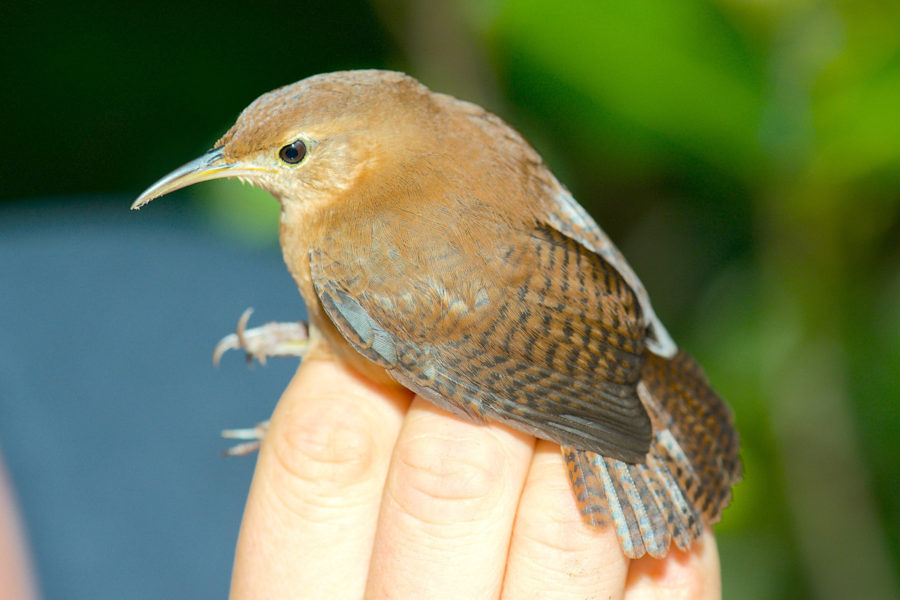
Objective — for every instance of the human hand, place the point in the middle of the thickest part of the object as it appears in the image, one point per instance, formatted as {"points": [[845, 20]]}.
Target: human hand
{"points": [[364, 491], [16, 576]]}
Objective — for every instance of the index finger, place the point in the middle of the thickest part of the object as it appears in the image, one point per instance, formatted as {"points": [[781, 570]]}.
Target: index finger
{"points": [[313, 504]]}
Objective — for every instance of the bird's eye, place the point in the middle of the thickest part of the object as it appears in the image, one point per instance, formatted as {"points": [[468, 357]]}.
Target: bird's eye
{"points": [[293, 152]]}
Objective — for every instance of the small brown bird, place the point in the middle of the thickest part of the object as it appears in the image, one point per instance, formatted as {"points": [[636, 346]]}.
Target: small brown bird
{"points": [[433, 248]]}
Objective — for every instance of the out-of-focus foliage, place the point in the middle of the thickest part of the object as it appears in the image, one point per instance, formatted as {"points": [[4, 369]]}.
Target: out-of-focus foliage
{"points": [[745, 155]]}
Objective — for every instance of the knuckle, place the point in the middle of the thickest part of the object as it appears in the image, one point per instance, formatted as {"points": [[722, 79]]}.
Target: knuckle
{"points": [[554, 529], [547, 513], [331, 445], [438, 478], [548, 520]]}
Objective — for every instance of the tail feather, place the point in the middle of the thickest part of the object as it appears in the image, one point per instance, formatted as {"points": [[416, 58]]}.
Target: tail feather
{"points": [[688, 472], [682, 519], [678, 398], [657, 535], [624, 518], [645, 537], [587, 487]]}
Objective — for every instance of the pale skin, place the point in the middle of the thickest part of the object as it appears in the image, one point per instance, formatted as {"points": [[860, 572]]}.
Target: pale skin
{"points": [[363, 490], [16, 579]]}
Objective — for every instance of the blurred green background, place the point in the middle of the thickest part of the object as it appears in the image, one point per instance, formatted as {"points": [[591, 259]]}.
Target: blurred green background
{"points": [[744, 155]]}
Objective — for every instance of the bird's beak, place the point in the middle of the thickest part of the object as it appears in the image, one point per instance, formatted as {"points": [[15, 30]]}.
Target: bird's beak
{"points": [[209, 166]]}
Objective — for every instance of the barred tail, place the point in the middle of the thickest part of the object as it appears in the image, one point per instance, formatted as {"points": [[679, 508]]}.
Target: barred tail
{"points": [[687, 474]]}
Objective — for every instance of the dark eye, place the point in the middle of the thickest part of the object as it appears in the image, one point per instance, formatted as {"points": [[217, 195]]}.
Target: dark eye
{"points": [[293, 152]]}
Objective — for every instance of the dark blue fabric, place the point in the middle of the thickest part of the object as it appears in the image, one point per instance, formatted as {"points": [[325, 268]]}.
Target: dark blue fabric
{"points": [[110, 407]]}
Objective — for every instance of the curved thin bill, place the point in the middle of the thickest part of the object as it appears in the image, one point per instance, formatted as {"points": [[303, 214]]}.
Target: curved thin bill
{"points": [[209, 166]]}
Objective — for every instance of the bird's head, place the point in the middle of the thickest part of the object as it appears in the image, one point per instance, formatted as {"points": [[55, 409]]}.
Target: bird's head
{"points": [[309, 141]]}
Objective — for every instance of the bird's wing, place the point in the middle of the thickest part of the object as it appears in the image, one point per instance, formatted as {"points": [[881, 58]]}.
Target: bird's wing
{"points": [[535, 331], [570, 218]]}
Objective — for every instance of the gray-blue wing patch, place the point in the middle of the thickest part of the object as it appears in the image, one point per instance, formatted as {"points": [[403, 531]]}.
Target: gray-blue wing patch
{"points": [[366, 334], [410, 365]]}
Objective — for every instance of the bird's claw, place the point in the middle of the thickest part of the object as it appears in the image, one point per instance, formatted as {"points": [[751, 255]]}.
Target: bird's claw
{"points": [[254, 435], [271, 339]]}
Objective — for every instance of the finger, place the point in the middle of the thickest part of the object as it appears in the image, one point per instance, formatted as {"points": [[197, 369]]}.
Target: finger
{"points": [[16, 579], [554, 553], [448, 508], [313, 504], [681, 574]]}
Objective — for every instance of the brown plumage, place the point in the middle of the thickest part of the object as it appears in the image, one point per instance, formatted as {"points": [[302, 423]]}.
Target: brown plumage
{"points": [[433, 248]]}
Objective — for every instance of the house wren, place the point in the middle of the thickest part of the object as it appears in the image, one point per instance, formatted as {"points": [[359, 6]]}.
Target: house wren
{"points": [[434, 248]]}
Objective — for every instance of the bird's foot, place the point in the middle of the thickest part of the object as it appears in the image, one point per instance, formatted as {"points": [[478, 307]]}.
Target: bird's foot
{"points": [[271, 339], [253, 435]]}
